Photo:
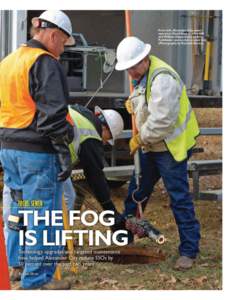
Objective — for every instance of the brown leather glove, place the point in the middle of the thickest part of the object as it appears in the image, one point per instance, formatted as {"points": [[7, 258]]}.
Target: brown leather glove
{"points": [[129, 107], [135, 143]]}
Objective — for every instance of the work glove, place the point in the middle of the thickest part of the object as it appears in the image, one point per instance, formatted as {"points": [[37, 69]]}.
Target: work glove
{"points": [[129, 107], [119, 222], [134, 144], [137, 97], [65, 165], [64, 158]]}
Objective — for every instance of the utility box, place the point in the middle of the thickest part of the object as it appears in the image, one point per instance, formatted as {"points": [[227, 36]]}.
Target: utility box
{"points": [[99, 29]]}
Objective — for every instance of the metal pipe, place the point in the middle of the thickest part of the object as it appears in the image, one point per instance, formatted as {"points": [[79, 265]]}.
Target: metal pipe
{"points": [[208, 54], [70, 244], [207, 60], [128, 33], [134, 129]]}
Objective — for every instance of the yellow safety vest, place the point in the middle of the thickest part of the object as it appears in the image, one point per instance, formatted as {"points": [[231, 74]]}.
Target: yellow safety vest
{"points": [[83, 130], [186, 128]]}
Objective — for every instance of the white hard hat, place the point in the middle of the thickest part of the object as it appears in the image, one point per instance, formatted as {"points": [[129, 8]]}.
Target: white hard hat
{"points": [[55, 18], [131, 51], [114, 121]]}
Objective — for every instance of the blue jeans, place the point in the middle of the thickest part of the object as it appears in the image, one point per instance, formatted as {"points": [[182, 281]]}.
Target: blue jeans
{"points": [[12, 236], [156, 165], [35, 175], [6, 208], [69, 194]]}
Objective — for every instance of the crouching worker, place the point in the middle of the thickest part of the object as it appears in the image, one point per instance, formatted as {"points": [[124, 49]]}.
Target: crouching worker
{"points": [[91, 132]]}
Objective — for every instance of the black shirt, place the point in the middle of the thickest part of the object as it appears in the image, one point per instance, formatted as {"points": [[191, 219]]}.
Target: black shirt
{"points": [[91, 160], [48, 88]]}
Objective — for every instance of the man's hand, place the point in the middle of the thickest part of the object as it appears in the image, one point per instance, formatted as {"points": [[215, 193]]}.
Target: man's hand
{"points": [[129, 107], [65, 165], [64, 157], [135, 143]]}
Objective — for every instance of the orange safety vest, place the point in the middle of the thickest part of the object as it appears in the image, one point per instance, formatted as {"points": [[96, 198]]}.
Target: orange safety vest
{"points": [[17, 108]]}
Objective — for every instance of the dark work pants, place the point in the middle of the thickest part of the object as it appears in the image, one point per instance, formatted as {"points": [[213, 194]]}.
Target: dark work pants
{"points": [[156, 165]]}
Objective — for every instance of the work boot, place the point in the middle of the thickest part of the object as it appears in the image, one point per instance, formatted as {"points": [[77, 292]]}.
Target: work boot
{"points": [[183, 263], [119, 222], [15, 273]]}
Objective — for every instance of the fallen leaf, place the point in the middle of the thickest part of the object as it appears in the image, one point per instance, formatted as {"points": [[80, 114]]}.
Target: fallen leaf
{"points": [[185, 280], [108, 281], [137, 287], [163, 277], [200, 280], [115, 287], [130, 271], [204, 265], [172, 280]]}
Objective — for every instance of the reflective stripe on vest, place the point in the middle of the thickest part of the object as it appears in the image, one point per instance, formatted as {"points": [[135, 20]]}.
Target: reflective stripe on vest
{"points": [[178, 130], [186, 127], [83, 130], [182, 127]]}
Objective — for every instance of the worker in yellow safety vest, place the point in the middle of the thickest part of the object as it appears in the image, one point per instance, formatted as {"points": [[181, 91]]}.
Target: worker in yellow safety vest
{"points": [[91, 132], [167, 131]]}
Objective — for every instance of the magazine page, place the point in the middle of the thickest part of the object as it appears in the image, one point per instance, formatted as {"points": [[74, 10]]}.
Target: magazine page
{"points": [[111, 150]]}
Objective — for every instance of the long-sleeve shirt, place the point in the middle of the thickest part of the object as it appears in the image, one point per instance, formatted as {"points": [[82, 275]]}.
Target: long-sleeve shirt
{"points": [[91, 157], [48, 89], [91, 160], [155, 120], [163, 109]]}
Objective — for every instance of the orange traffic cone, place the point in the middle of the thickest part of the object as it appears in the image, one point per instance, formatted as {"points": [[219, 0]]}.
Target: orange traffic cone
{"points": [[4, 278]]}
